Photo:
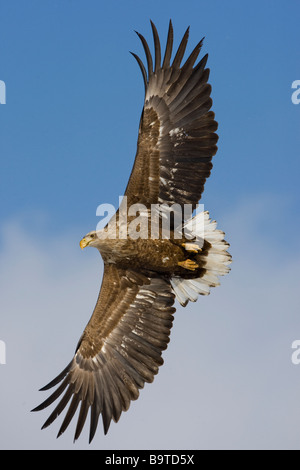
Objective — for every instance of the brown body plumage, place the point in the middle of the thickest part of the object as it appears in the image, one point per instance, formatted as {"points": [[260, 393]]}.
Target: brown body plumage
{"points": [[152, 255], [121, 346]]}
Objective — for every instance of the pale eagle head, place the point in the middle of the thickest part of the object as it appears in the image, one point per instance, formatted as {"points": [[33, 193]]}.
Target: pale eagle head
{"points": [[90, 239]]}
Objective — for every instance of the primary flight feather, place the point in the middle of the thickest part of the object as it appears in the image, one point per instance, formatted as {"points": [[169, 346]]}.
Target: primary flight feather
{"points": [[121, 346]]}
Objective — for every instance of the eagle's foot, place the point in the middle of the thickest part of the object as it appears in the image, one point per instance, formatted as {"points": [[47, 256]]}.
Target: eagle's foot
{"points": [[193, 247], [188, 264]]}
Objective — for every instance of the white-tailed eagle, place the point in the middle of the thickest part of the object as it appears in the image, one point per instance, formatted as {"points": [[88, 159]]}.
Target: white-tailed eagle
{"points": [[121, 346]]}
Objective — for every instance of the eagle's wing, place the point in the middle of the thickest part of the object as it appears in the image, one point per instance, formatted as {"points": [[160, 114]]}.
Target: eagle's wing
{"points": [[177, 138], [118, 352]]}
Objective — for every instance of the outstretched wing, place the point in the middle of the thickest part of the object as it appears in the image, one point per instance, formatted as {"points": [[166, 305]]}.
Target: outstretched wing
{"points": [[119, 351], [177, 138]]}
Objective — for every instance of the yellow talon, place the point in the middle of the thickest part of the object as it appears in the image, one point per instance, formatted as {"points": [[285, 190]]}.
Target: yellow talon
{"points": [[188, 264]]}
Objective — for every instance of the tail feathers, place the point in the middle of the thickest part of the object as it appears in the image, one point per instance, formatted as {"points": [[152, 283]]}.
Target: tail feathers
{"points": [[216, 261]]}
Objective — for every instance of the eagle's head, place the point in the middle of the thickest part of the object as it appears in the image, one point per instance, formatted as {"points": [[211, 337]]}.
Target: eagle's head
{"points": [[90, 239]]}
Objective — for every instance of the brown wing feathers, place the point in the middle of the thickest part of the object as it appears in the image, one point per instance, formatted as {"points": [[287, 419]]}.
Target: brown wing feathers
{"points": [[178, 98], [106, 378]]}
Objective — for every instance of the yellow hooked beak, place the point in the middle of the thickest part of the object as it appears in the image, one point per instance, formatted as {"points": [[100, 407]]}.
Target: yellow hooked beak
{"points": [[83, 243]]}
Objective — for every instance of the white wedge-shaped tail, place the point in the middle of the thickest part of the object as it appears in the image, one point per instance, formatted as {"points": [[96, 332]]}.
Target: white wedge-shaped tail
{"points": [[216, 261]]}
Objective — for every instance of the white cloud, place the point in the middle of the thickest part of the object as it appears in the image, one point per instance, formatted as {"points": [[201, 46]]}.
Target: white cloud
{"points": [[228, 380]]}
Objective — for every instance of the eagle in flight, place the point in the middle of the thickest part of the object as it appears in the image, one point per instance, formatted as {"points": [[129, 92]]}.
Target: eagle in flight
{"points": [[121, 346]]}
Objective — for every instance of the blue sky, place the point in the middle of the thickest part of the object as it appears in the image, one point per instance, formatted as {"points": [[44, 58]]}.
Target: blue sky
{"points": [[68, 137]]}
